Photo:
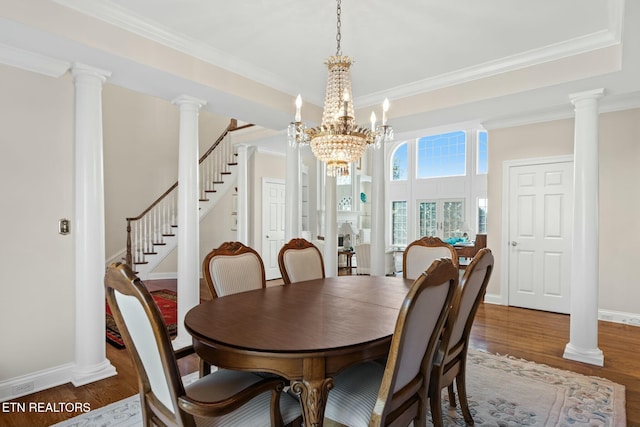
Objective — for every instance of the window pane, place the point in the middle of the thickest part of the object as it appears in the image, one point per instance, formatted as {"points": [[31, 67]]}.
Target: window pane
{"points": [[427, 219], [399, 164], [442, 155], [452, 219], [482, 216], [399, 223], [483, 159]]}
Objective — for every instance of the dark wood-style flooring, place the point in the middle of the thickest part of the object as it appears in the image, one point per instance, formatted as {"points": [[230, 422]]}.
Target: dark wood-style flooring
{"points": [[532, 335]]}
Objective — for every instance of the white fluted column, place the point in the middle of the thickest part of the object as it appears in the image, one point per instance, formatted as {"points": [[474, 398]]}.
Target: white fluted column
{"points": [[91, 363], [292, 193], [330, 227], [378, 246], [188, 214], [583, 344], [243, 195]]}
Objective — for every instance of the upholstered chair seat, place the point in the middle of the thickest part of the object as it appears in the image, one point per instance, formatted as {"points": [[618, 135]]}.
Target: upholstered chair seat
{"points": [[300, 260], [420, 253], [232, 268], [449, 364], [222, 398], [370, 394]]}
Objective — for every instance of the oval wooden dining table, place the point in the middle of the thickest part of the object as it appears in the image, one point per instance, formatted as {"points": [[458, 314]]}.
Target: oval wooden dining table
{"points": [[306, 332]]}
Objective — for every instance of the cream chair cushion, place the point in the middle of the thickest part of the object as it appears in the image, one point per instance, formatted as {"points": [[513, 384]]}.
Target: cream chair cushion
{"points": [[419, 258], [303, 264], [238, 273]]}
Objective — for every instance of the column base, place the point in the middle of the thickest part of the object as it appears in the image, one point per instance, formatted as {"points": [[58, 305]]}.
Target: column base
{"points": [[590, 356], [85, 375]]}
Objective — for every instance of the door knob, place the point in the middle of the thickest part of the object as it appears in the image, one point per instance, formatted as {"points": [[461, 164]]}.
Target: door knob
{"points": [[514, 243]]}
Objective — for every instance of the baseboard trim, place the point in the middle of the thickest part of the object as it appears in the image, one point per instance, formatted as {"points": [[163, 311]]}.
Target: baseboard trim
{"points": [[619, 317], [632, 319], [162, 276], [36, 381], [494, 299]]}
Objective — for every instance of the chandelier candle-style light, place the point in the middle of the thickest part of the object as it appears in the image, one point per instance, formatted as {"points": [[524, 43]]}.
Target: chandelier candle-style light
{"points": [[339, 140]]}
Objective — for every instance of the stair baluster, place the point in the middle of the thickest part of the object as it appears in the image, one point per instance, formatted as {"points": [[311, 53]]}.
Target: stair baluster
{"points": [[159, 220]]}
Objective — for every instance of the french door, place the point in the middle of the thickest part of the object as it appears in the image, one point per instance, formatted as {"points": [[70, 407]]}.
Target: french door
{"points": [[443, 218]]}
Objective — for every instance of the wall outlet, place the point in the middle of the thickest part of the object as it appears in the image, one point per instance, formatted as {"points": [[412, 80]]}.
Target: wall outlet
{"points": [[24, 388]]}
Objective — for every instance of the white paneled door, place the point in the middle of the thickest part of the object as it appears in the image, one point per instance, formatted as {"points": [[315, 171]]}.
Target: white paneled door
{"points": [[273, 203], [539, 245]]}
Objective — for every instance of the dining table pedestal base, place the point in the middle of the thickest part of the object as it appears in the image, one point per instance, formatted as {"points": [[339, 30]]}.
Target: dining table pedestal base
{"points": [[313, 399]]}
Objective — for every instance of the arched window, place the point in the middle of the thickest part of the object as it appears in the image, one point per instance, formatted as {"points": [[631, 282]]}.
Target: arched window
{"points": [[399, 170]]}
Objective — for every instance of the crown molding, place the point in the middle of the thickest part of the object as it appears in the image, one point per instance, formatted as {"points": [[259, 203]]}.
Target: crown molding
{"points": [[32, 61], [579, 45], [608, 104], [122, 18]]}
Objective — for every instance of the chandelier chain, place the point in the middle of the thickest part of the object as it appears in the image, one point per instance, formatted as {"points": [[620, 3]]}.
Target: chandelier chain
{"points": [[338, 24]]}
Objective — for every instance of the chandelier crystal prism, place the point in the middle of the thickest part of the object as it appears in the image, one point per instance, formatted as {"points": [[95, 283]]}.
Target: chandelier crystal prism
{"points": [[339, 140]]}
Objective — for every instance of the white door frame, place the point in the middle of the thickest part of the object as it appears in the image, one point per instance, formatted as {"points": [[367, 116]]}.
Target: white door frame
{"points": [[263, 249], [506, 185]]}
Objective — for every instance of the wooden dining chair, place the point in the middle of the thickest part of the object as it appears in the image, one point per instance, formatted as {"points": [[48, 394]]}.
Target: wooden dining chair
{"points": [[450, 361], [222, 398], [232, 268], [300, 260], [370, 394], [420, 253]]}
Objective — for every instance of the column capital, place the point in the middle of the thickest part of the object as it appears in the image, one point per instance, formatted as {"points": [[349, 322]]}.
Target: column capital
{"points": [[190, 101], [79, 70], [593, 94]]}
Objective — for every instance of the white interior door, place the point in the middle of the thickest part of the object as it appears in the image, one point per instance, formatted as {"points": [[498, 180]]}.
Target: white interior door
{"points": [[273, 202], [539, 245]]}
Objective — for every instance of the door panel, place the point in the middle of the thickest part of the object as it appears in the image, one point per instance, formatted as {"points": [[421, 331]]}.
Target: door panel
{"points": [[273, 201], [540, 236]]}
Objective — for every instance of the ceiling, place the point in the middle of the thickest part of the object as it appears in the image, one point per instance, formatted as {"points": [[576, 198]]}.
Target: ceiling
{"points": [[490, 62]]}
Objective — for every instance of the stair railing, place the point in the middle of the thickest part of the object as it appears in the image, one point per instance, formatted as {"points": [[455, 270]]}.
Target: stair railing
{"points": [[159, 220]]}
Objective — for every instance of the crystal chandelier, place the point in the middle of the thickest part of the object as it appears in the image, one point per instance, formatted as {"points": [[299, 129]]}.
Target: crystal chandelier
{"points": [[339, 140]]}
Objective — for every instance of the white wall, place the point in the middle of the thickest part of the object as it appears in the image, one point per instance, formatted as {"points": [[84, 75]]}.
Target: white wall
{"points": [[36, 190], [619, 196], [141, 155], [262, 165]]}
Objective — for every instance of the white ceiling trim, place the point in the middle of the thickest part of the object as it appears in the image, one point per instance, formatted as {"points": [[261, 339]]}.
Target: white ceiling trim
{"points": [[124, 19], [32, 61], [598, 40], [607, 104]]}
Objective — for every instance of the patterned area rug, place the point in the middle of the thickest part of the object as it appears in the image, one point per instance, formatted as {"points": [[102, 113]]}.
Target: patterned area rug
{"points": [[166, 300], [503, 392]]}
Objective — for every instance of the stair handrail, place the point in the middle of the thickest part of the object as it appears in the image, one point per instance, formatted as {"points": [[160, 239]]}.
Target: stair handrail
{"points": [[232, 126]]}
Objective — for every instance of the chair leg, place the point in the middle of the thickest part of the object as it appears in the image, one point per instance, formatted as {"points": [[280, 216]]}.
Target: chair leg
{"points": [[462, 395], [452, 396], [435, 401], [204, 368], [276, 416]]}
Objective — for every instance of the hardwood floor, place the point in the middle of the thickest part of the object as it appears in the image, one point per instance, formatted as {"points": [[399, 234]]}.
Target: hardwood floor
{"points": [[532, 335]]}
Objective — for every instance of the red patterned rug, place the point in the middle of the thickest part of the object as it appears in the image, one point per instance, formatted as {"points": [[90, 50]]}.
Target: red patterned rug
{"points": [[166, 300]]}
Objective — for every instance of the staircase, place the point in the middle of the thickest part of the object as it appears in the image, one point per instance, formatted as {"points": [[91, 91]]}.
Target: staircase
{"points": [[152, 235]]}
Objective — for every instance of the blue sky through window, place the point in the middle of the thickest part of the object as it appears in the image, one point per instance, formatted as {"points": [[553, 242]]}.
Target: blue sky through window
{"points": [[483, 159], [442, 155], [399, 171]]}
